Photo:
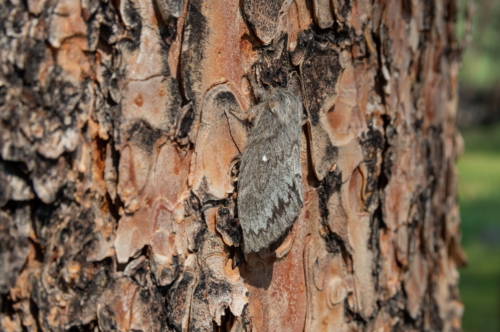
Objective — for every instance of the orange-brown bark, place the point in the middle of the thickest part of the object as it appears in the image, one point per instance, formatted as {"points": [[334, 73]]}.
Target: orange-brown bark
{"points": [[122, 126]]}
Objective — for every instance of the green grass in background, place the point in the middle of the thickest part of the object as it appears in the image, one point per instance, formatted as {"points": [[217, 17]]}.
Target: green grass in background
{"points": [[479, 194]]}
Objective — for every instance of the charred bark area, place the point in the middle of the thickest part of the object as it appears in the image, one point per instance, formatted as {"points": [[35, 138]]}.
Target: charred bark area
{"points": [[121, 128]]}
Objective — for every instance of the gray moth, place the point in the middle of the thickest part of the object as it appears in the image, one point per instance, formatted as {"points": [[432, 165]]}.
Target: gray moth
{"points": [[270, 193]]}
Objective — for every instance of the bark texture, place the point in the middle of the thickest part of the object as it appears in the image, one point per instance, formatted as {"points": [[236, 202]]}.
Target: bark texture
{"points": [[122, 122]]}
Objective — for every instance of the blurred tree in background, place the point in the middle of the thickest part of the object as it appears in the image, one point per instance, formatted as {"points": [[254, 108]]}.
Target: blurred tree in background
{"points": [[480, 75]]}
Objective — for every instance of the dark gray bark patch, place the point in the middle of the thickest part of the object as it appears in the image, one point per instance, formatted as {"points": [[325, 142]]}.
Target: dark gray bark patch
{"points": [[262, 17], [321, 71]]}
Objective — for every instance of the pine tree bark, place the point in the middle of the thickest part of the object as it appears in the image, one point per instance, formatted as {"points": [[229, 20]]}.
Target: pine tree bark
{"points": [[120, 142]]}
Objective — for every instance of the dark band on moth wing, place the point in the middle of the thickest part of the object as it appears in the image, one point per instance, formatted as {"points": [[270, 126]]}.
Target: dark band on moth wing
{"points": [[286, 155], [278, 211], [261, 186], [275, 160]]}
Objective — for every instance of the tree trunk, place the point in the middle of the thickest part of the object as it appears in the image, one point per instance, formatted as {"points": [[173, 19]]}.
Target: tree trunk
{"points": [[123, 123]]}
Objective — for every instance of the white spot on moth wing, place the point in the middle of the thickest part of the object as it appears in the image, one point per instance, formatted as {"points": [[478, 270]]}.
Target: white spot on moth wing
{"points": [[264, 158]]}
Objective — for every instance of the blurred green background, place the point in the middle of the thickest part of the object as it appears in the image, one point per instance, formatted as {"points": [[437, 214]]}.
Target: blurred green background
{"points": [[479, 194], [479, 170]]}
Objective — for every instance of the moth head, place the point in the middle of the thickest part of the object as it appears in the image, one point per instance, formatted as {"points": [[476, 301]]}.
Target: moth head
{"points": [[284, 106]]}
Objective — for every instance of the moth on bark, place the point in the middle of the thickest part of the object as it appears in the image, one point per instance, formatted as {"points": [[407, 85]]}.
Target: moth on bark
{"points": [[270, 194]]}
